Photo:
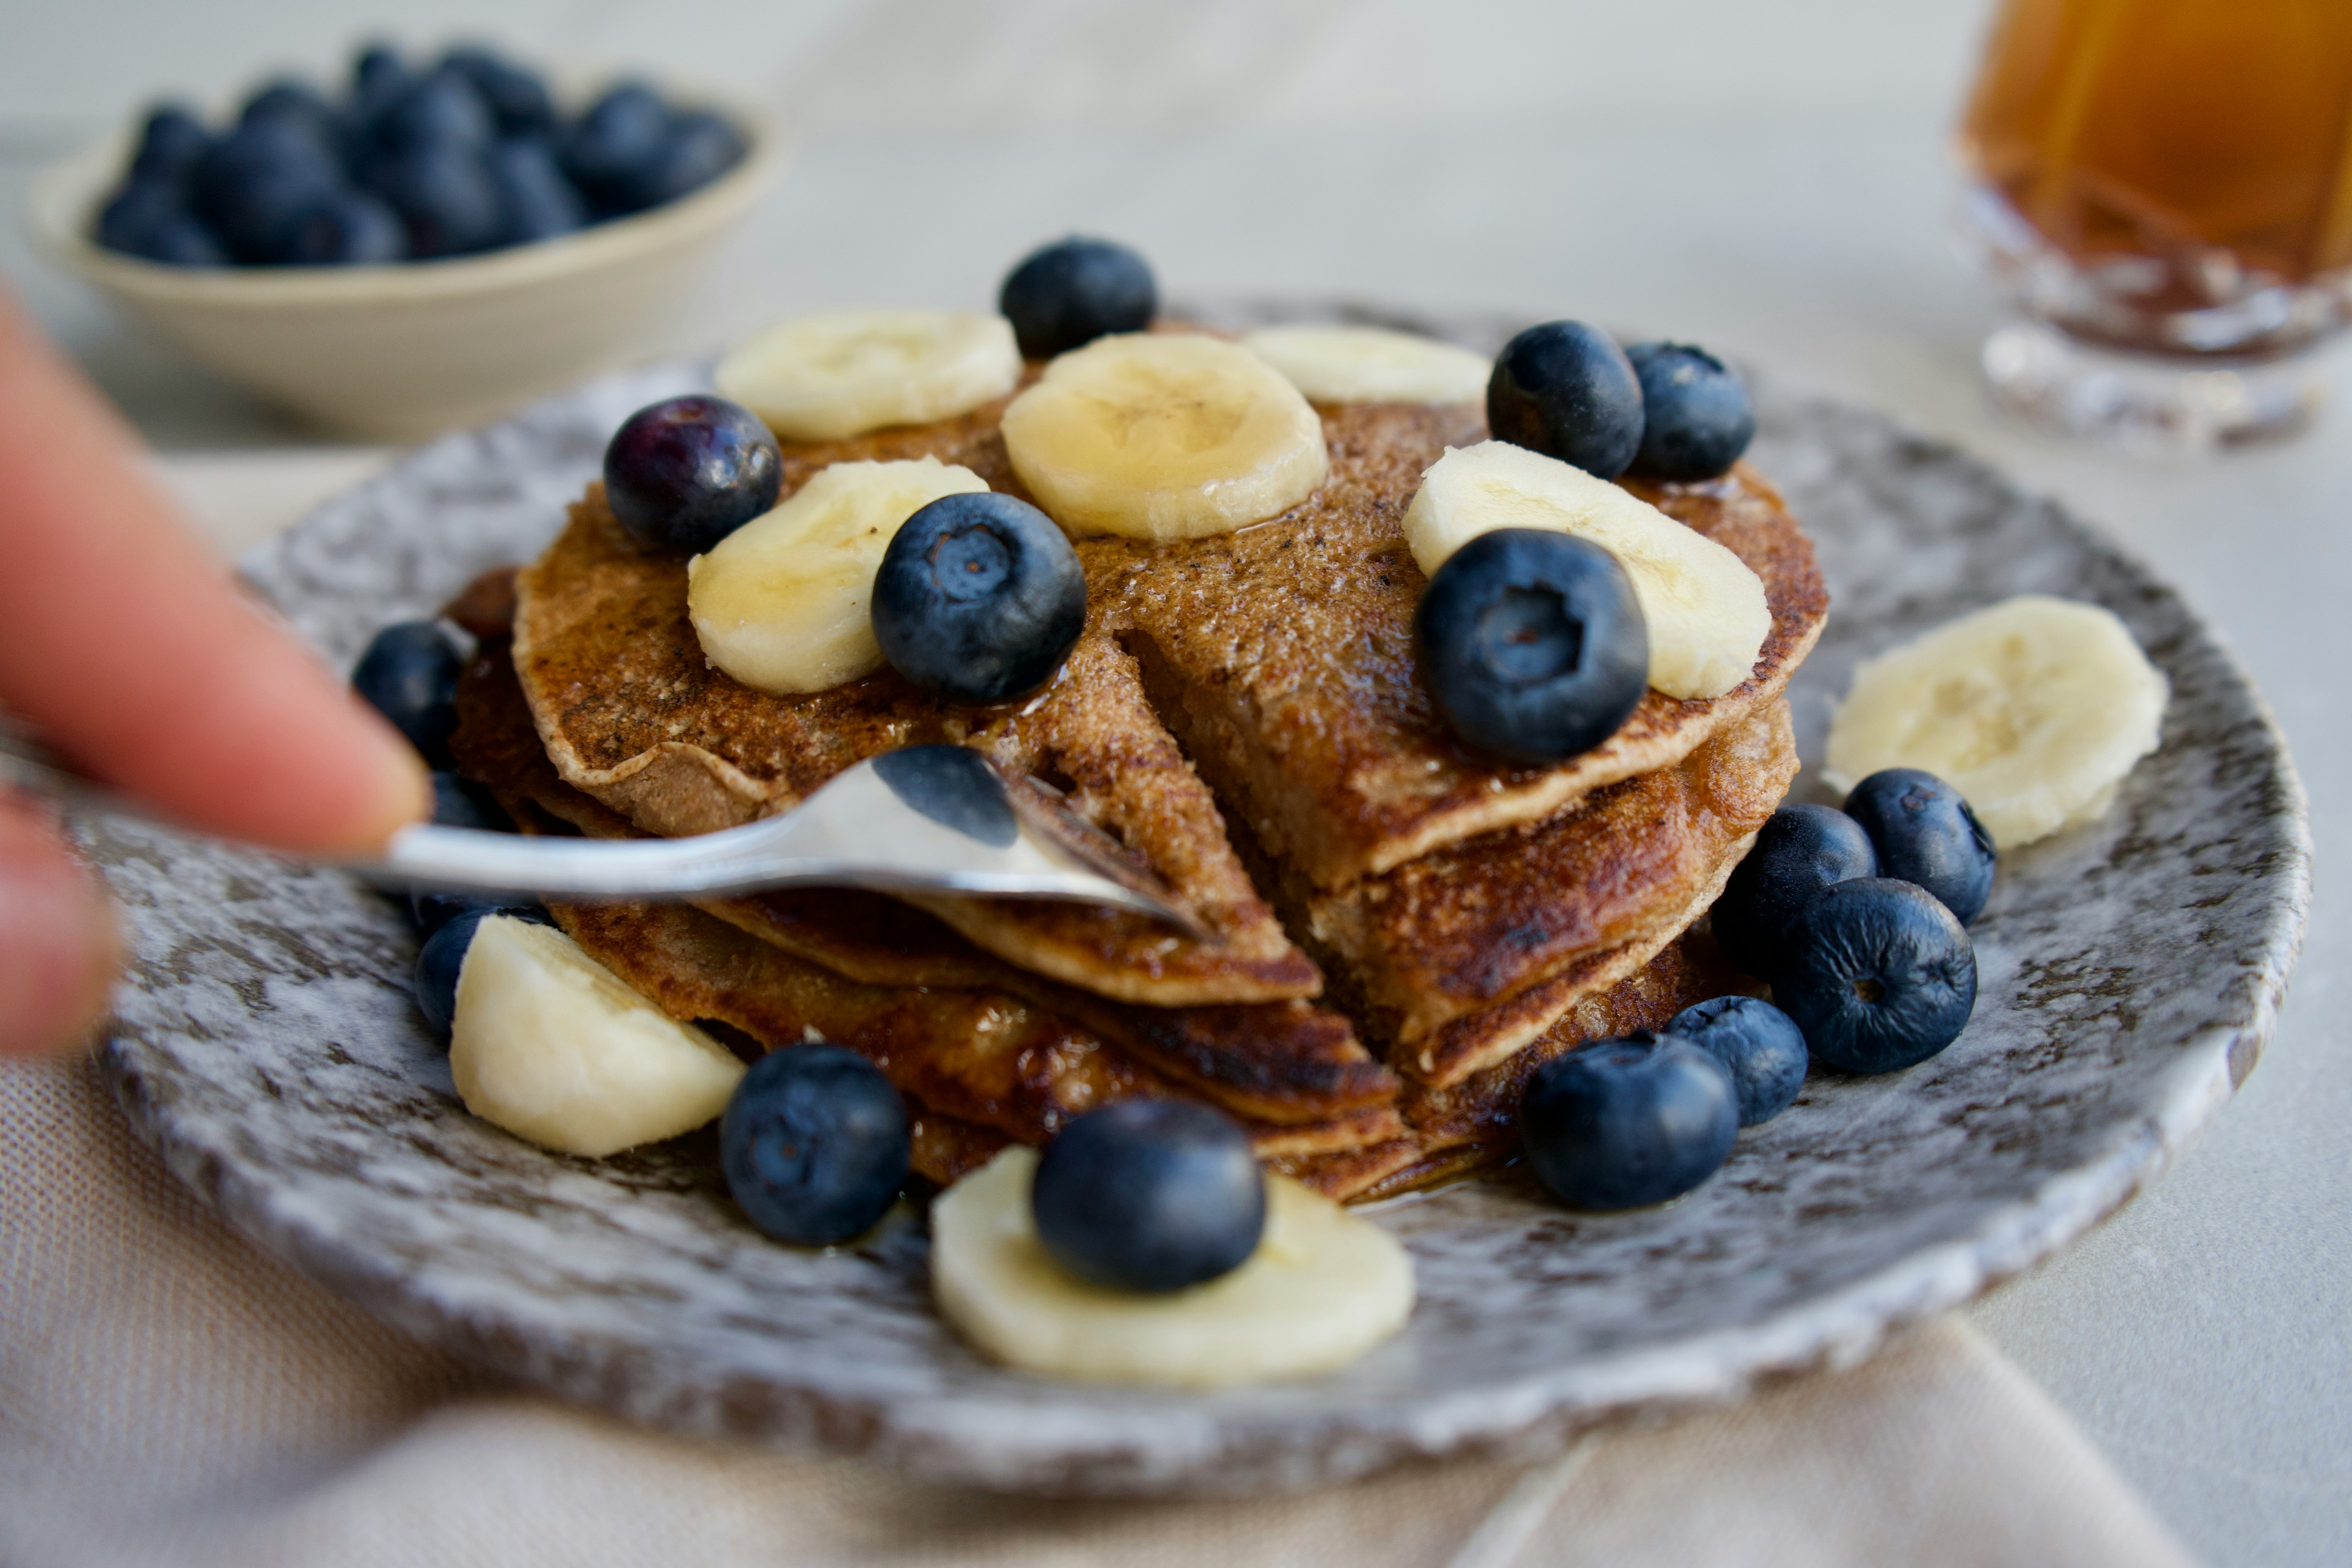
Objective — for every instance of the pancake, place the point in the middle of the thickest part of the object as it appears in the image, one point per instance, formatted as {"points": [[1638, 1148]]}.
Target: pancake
{"points": [[983, 1059], [1276, 1062], [1281, 654], [1464, 928], [986, 1054], [633, 715], [1283, 658], [1474, 1122], [1235, 705]]}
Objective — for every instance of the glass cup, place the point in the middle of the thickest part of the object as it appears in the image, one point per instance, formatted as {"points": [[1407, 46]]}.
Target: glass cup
{"points": [[2162, 189]]}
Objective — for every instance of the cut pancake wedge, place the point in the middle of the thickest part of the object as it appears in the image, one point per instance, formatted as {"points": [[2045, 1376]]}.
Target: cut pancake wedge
{"points": [[633, 714], [1415, 952]]}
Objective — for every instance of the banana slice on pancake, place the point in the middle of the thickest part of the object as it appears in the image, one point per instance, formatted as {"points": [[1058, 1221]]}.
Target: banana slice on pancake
{"points": [[1164, 435], [550, 1045], [1371, 364], [831, 377], [1704, 609], [784, 604], [2034, 709], [1323, 1286]]}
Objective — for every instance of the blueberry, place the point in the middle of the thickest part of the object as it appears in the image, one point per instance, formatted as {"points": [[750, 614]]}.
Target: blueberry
{"points": [[1533, 643], [538, 202], [1071, 292], [444, 194], [1758, 1044], [287, 98], [1800, 850], [439, 108], [814, 1144], [184, 242], [1568, 391], [978, 598], [1149, 1195], [614, 141], [171, 144], [409, 674], [147, 217], [517, 100], [1696, 417], [1925, 832], [347, 229], [254, 186], [442, 960], [378, 75], [461, 802], [430, 908], [1620, 1123], [684, 473], [696, 150], [1879, 975], [136, 210]]}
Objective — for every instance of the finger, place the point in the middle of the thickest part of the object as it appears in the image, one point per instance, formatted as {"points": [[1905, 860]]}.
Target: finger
{"points": [[121, 638], [57, 941]]}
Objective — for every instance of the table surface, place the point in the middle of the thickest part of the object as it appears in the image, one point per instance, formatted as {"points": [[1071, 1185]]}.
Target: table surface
{"points": [[1771, 180]]}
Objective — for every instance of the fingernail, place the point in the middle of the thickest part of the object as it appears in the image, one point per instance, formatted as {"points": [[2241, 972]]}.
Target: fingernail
{"points": [[58, 942]]}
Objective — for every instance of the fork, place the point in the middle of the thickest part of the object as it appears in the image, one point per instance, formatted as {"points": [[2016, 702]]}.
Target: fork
{"points": [[924, 819]]}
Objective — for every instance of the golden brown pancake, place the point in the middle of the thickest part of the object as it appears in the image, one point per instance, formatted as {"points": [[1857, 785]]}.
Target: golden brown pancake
{"points": [[634, 715], [1462, 929], [1282, 655], [1276, 1062], [1474, 1122], [981, 1065], [1476, 917], [984, 1058]]}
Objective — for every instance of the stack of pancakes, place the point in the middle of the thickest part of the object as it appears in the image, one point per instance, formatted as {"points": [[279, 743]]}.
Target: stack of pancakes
{"points": [[1401, 928]]}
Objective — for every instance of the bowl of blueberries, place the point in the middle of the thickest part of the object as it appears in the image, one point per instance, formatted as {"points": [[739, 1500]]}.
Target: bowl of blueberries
{"points": [[427, 246]]}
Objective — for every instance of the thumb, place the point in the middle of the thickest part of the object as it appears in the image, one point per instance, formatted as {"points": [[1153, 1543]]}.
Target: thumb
{"points": [[57, 939]]}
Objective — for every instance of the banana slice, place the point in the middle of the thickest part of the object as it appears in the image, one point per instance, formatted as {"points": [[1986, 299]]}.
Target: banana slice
{"points": [[784, 602], [1164, 435], [548, 1043], [1371, 364], [2033, 709], [1703, 607], [1322, 1287], [824, 378]]}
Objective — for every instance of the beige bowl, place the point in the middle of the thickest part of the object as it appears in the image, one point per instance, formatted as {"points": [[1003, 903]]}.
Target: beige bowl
{"points": [[401, 352]]}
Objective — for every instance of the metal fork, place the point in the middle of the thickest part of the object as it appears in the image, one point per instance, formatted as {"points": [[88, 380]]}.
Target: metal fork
{"points": [[926, 819]]}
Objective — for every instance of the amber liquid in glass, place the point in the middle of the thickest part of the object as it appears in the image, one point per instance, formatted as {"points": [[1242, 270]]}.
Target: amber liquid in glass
{"points": [[2206, 142]]}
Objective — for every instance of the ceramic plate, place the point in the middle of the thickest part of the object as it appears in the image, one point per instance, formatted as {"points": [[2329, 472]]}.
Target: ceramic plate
{"points": [[2130, 972]]}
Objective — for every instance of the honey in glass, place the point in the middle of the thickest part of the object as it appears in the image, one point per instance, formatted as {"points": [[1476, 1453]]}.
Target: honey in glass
{"points": [[2168, 178]]}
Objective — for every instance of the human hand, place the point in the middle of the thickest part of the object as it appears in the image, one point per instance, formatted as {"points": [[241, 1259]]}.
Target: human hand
{"points": [[123, 642]]}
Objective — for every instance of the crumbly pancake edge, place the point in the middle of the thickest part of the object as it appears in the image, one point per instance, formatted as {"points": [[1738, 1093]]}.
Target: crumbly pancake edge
{"points": [[1482, 1039], [1488, 959], [1562, 792]]}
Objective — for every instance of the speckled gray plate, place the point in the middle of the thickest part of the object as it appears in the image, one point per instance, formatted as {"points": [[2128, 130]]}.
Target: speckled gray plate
{"points": [[2130, 973]]}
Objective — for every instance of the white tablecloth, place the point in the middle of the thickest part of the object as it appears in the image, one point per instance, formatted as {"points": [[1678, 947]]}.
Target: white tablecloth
{"points": [[1767, 179]]}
